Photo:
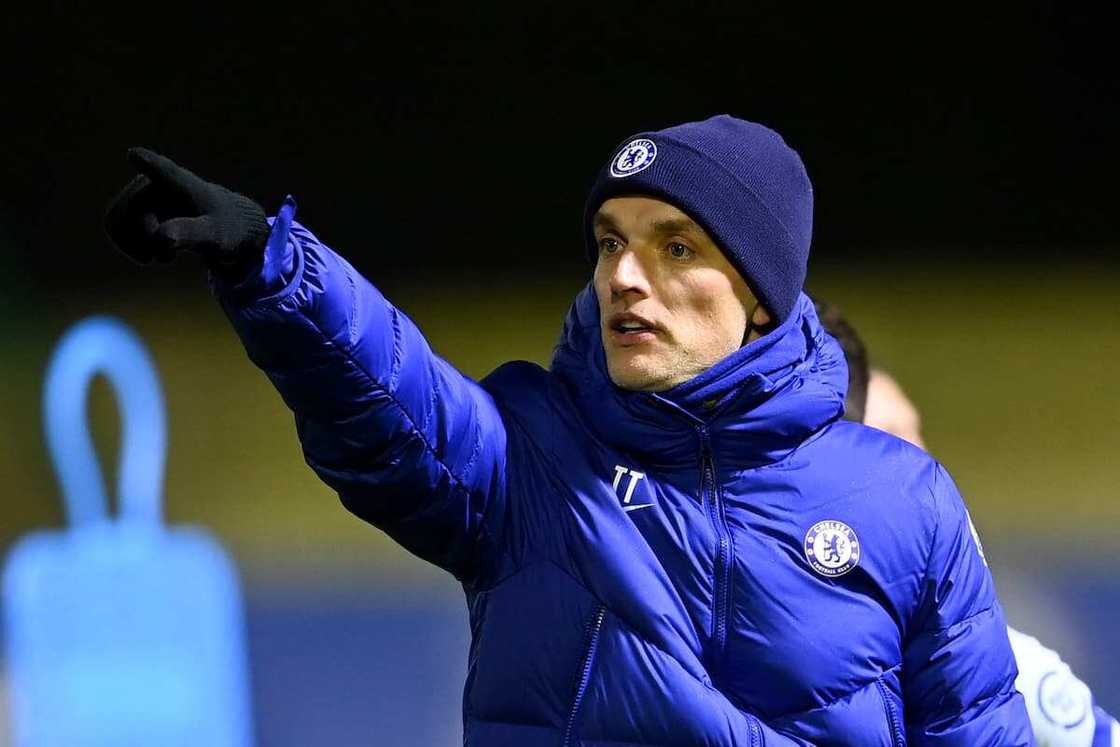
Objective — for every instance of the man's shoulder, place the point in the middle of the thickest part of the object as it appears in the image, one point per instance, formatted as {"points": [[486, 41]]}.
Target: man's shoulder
{"points": [[523, 389], [879, 473], [517, 380], [861, 447], [538, 411]]}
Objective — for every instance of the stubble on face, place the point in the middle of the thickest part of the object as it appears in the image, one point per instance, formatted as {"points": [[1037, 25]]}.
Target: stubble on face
{"points": [[671, 305]]}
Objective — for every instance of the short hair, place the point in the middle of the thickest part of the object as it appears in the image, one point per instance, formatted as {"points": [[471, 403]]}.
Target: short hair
{"points": [[855, 353]]}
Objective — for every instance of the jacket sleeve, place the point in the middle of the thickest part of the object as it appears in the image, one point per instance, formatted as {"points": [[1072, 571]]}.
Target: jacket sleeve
{"points": [[958, 669], [1060, 705], [410, 444]]}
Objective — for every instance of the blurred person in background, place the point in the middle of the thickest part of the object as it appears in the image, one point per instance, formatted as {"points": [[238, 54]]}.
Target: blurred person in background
{"points": [[669, 537], [1061, 707]]}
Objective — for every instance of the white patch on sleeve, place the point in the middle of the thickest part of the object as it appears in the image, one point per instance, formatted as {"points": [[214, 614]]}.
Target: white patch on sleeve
{"points": [[1060, 706]]}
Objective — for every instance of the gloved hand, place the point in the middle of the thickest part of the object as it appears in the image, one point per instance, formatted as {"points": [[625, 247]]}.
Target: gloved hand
{"points": [[166, 209]]}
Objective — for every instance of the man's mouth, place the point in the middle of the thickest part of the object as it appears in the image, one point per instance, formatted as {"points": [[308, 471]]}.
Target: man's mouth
{"points": [[631, 329]]}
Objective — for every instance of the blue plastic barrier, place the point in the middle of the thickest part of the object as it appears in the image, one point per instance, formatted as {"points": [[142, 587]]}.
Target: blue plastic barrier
{"points": [[120, 631]]}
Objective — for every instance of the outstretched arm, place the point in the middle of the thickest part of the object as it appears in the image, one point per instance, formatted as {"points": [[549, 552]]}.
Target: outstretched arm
{"points": [[410, 444]]}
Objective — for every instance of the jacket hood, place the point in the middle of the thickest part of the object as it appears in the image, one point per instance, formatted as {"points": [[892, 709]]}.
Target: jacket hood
{"points": [[756, 405]]}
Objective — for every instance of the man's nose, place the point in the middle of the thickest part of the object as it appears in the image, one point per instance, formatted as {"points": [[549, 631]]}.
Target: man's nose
{"points": [[629, 276]]}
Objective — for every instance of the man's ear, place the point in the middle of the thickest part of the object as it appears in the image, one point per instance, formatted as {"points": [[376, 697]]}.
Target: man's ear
{"points": [[760, 319], [758, 324]]}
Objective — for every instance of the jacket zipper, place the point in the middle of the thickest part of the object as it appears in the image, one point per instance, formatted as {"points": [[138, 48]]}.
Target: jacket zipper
{"points": [[756, 738], [593, 627], [892, 718], [722, 601]]}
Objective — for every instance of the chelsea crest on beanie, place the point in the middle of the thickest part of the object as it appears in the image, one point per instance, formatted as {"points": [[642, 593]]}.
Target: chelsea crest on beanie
{"points": [[739, 181]]}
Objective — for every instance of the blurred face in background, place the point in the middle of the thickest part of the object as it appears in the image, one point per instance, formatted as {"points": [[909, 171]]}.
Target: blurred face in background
{"points": [[670, 303], [889, 409]]}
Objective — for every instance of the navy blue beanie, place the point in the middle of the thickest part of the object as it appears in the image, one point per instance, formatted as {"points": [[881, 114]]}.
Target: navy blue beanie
{"points": [[738, 180]]}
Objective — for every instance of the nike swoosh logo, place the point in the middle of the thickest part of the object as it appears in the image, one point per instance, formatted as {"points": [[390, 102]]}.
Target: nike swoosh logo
{"points": [[635, 507]]}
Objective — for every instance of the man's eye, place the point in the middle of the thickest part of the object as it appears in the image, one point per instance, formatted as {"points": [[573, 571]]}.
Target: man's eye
{"points": [[608, 245], [679, 251]]}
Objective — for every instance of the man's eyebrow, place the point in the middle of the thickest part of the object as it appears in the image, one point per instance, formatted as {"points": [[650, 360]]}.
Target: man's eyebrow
{"points": [[666, 226], [677, 225], [604, 221]]}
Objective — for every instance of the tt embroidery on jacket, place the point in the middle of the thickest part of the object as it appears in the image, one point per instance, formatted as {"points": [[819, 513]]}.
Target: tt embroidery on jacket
{"points": [[635, 477], [832, 548]]}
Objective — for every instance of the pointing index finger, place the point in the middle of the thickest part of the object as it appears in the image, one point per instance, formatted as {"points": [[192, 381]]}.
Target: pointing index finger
{"points": [[164, 172]]}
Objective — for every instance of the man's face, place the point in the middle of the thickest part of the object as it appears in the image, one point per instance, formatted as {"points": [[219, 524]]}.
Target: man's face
{"points": [[670, 304], [889, 409]]}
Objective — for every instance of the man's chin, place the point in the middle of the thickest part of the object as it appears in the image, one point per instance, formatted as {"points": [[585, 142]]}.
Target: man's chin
{"points": [[637, 378]]}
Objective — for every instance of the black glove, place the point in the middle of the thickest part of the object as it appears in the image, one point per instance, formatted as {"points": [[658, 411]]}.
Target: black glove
{"points": [[166, 209]]}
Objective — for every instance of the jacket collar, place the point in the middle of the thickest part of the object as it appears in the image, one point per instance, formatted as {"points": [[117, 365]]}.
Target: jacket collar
{"points": [[756, 405]]}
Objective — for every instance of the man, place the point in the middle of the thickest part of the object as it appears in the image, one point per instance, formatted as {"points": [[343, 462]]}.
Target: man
{"points": [[641, 530], [1060, 706]]}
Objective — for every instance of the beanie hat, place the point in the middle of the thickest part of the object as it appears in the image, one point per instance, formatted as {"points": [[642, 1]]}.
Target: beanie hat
{"points": [[739, 181]]}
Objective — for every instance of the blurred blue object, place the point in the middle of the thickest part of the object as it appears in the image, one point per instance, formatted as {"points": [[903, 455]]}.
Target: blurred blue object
{"points": [[120, 631]]}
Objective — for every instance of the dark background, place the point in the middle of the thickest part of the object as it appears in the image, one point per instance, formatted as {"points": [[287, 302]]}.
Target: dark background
{"points": [[964, 161], [448, 136]]}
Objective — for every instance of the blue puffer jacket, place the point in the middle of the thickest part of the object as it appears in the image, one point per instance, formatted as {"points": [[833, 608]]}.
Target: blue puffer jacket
{"points": [[726, 564]]}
